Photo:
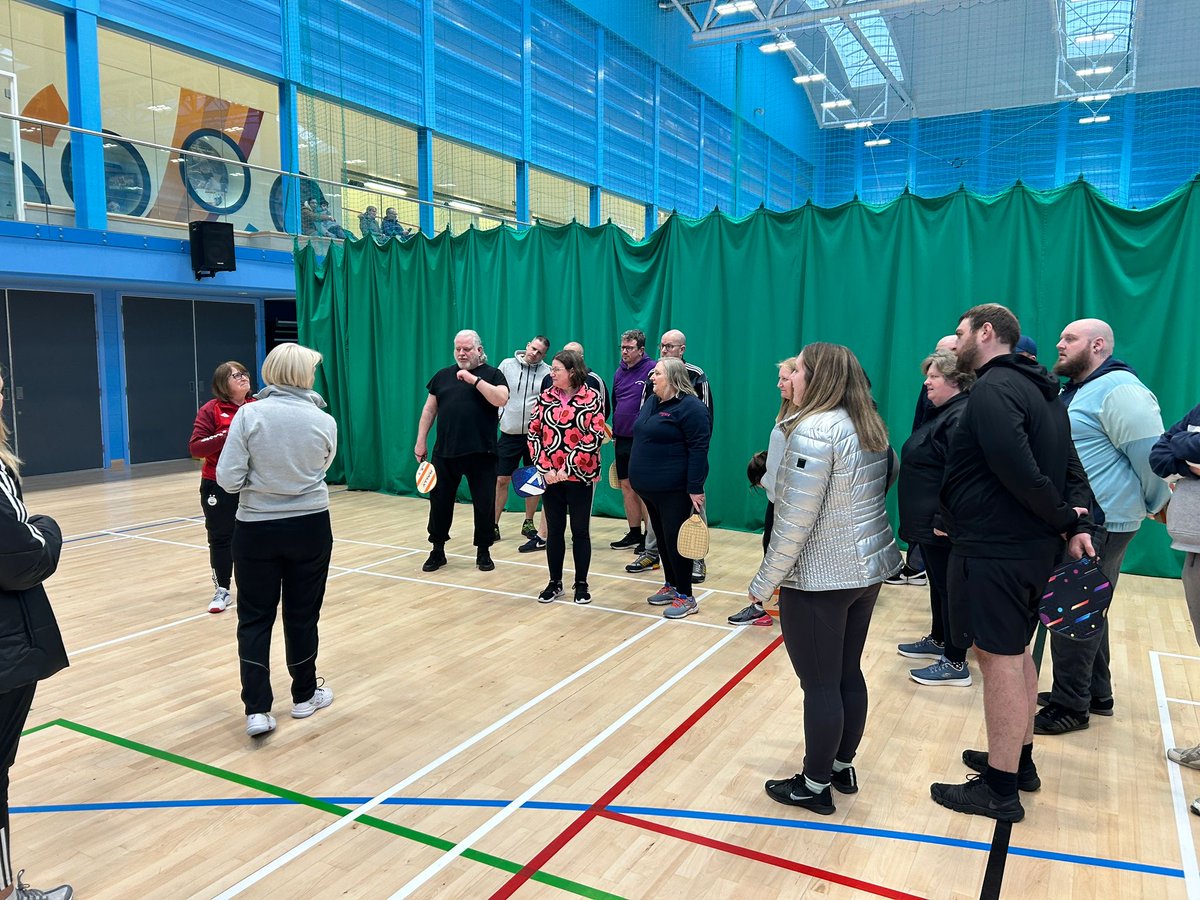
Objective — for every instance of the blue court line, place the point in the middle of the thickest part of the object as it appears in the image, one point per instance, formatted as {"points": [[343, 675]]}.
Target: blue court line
{"points": [[649, 811]]}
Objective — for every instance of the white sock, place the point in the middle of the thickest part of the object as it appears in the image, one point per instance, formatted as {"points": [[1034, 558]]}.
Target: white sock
{"points": [[839, 766], [815, 786]]}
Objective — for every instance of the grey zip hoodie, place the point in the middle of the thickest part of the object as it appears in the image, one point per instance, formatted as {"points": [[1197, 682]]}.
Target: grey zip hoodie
{"points": [[524, 385], [275, 458]]}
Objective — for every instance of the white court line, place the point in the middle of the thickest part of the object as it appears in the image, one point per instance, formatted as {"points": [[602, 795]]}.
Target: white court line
{"points": [[113, 536], [1178, 700], [1187, 846], [167, 521], [483, 830], [1176, 655], [514, 562], [360, 811]]}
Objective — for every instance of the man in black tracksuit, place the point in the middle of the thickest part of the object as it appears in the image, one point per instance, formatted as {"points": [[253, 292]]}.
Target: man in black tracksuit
{"points": [[1013, 490]]}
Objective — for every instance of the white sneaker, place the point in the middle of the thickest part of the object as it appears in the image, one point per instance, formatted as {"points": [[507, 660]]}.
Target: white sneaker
{"points": [[220, 601], [321, 698], [25, 892], [259, 723]]}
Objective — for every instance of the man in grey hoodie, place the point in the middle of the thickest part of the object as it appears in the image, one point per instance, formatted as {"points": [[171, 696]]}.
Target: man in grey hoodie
{"points": [[524, 372]]}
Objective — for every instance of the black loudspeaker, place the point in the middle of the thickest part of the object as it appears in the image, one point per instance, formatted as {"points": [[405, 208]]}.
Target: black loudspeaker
{"points": [[212, 248]]}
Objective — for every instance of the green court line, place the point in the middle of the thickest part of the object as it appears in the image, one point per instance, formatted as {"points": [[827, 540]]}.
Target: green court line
{"points": [[264, 787], [41, 727]]}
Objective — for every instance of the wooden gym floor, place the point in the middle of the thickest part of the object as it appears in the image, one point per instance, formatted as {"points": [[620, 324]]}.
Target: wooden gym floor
{"points": [[482, 743]]}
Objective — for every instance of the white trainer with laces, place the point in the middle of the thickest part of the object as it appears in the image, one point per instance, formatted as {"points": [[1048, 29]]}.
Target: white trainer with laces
{"points": [[321, 698], [259, 723], [220, 601], [25, 892]]}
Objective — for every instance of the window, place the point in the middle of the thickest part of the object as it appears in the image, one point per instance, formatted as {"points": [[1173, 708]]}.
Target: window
{"points": [[556, 201], [471, 187], [627, 215]]}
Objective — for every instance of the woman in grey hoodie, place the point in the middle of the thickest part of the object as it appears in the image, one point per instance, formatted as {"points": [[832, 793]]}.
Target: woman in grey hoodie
{"points": [[275, 459]]}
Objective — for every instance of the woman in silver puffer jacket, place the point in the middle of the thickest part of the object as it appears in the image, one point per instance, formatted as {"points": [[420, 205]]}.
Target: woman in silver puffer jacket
{"points": [[831, 548]]}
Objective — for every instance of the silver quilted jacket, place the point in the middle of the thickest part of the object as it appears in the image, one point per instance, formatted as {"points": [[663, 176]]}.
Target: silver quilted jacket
{"points": [[831, 530]]}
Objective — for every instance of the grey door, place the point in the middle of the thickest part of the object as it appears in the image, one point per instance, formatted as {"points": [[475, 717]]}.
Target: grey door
{"points": [[224, 331], [160, 377], [54, 384]]}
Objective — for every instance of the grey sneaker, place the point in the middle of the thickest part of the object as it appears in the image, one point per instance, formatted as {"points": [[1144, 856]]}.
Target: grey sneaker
{"points": [[681, 607], [751, 615], [925, 648], [320, 699], [644, 563], [1185, 756], [943, 672], [259, 723], [25, 892], [220, 601], [699, 571], [664, 596]]}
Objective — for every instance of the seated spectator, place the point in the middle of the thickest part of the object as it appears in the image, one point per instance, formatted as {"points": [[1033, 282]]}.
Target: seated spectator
{"points": [[327, 225], [391, 224], [308, 217], [368, 222]]}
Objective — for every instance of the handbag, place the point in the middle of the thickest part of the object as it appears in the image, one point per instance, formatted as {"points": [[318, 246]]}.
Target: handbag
{"points": [[1076, 599]]}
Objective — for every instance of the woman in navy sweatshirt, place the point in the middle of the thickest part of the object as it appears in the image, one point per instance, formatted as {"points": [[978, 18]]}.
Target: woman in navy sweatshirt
{"points": [[667, 467]]}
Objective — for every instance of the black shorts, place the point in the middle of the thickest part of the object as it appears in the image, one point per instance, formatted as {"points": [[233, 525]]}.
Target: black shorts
{"points": [[511, 451], [994, 602], [623, 446]]}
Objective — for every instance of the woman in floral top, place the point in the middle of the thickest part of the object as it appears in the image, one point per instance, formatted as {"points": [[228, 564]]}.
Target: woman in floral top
{"points": [[565, 433]]}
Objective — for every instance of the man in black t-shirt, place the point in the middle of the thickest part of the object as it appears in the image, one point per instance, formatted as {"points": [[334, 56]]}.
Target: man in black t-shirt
{"points": [[465, 398]]}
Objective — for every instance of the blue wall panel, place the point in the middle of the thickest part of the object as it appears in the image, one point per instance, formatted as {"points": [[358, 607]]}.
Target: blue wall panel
{"points": [[752, 190], [885, 169], [628, 120], [718, 159], [1023, 144], [1166, 147], [368, 54], [247, 32], [477, 70], [563, 91], [679, 145]]}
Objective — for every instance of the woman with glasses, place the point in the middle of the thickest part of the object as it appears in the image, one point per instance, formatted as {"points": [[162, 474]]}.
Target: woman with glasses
{"points": [[831, 548], [231, 390], [275, 459], [566, 430]]}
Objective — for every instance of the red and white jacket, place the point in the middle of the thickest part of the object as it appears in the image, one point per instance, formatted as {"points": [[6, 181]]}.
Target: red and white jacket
{"points": [[209, 432]]}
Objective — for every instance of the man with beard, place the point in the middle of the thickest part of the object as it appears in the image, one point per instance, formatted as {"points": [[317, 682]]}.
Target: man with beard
{"points": [[1013, 489], [464, 398], [1115, 420]]}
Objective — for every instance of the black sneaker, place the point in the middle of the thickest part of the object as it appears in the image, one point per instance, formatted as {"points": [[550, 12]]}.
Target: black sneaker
{"points": [[483, 560], [581, 593], [533, 544], [794, 792], [1055, 719], [644, 563], [553, 591], [495, 533], [1096, 707], [528, 529], [976, 798], [632, 538], [437, 559], [845, 781], [751, 615], [1027, 778]]}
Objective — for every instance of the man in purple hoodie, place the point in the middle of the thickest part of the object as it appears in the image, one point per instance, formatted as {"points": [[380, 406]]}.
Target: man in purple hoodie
{"points": [[629, 383]]}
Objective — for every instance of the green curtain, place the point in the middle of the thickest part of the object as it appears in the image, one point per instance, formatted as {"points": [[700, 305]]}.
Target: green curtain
{"points": [[888, 281]]}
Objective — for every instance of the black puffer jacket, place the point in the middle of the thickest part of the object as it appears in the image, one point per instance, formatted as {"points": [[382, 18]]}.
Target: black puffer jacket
{"points": [[922, 467], [31, 646]]}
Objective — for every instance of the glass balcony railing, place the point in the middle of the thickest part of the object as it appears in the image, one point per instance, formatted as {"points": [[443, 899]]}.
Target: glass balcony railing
{"points": [[154, 189]]}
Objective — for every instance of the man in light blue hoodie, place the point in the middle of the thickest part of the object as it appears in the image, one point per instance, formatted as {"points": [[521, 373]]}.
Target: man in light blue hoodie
{"points": [[1115, 420]]}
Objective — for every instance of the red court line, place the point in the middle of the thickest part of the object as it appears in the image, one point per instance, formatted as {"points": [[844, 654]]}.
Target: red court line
{"points": [[546, 853], [757, 855]]}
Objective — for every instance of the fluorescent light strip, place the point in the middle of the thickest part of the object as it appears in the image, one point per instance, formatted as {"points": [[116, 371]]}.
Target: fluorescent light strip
{"points": [[1092, 38], [464, 207], [1093, 98], [861, 123], [808, 79], [1098, 70], [835, 104], [381, 188], [1094, 120], [877, 142], [783, 43], [725, 9]]}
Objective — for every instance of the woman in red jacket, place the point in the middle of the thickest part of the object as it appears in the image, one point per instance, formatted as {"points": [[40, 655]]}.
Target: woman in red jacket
{"points": [[565, 434], [231, 390]]}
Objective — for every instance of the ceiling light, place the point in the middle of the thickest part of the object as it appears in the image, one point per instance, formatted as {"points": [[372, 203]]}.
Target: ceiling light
{"points": [[465, 207], [1091, 38], [1098, 70], [808, 79], [835, 104], [861, 123], [725, 9], [355, 162], [877, 142], [1094, 120], [382, 188], [783, 42], [1093, 98]]}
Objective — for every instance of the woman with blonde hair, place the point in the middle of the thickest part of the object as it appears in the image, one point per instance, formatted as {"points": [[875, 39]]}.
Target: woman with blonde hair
{"points": [[275, 459], [32, 647], [831, 548], [754, 614]]}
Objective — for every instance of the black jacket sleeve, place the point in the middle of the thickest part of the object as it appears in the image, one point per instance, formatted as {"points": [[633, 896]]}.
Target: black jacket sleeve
{"points": [[1170, 454], [29, 550], [1007, 453]]}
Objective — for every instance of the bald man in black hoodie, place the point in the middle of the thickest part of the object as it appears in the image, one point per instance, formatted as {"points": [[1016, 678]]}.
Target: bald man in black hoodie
{"points": [[1013, 491]]}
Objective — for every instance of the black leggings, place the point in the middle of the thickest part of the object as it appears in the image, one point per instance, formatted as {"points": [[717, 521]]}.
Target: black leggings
{"points": [[937, 567], [573, 498], [768, 525], [824, 632], [668, 510], [14, 710], [220, 512]]}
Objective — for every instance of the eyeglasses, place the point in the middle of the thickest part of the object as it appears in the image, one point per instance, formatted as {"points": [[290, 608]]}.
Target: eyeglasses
{"points": [[629, 347], [666, 346], [240, 375]]}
